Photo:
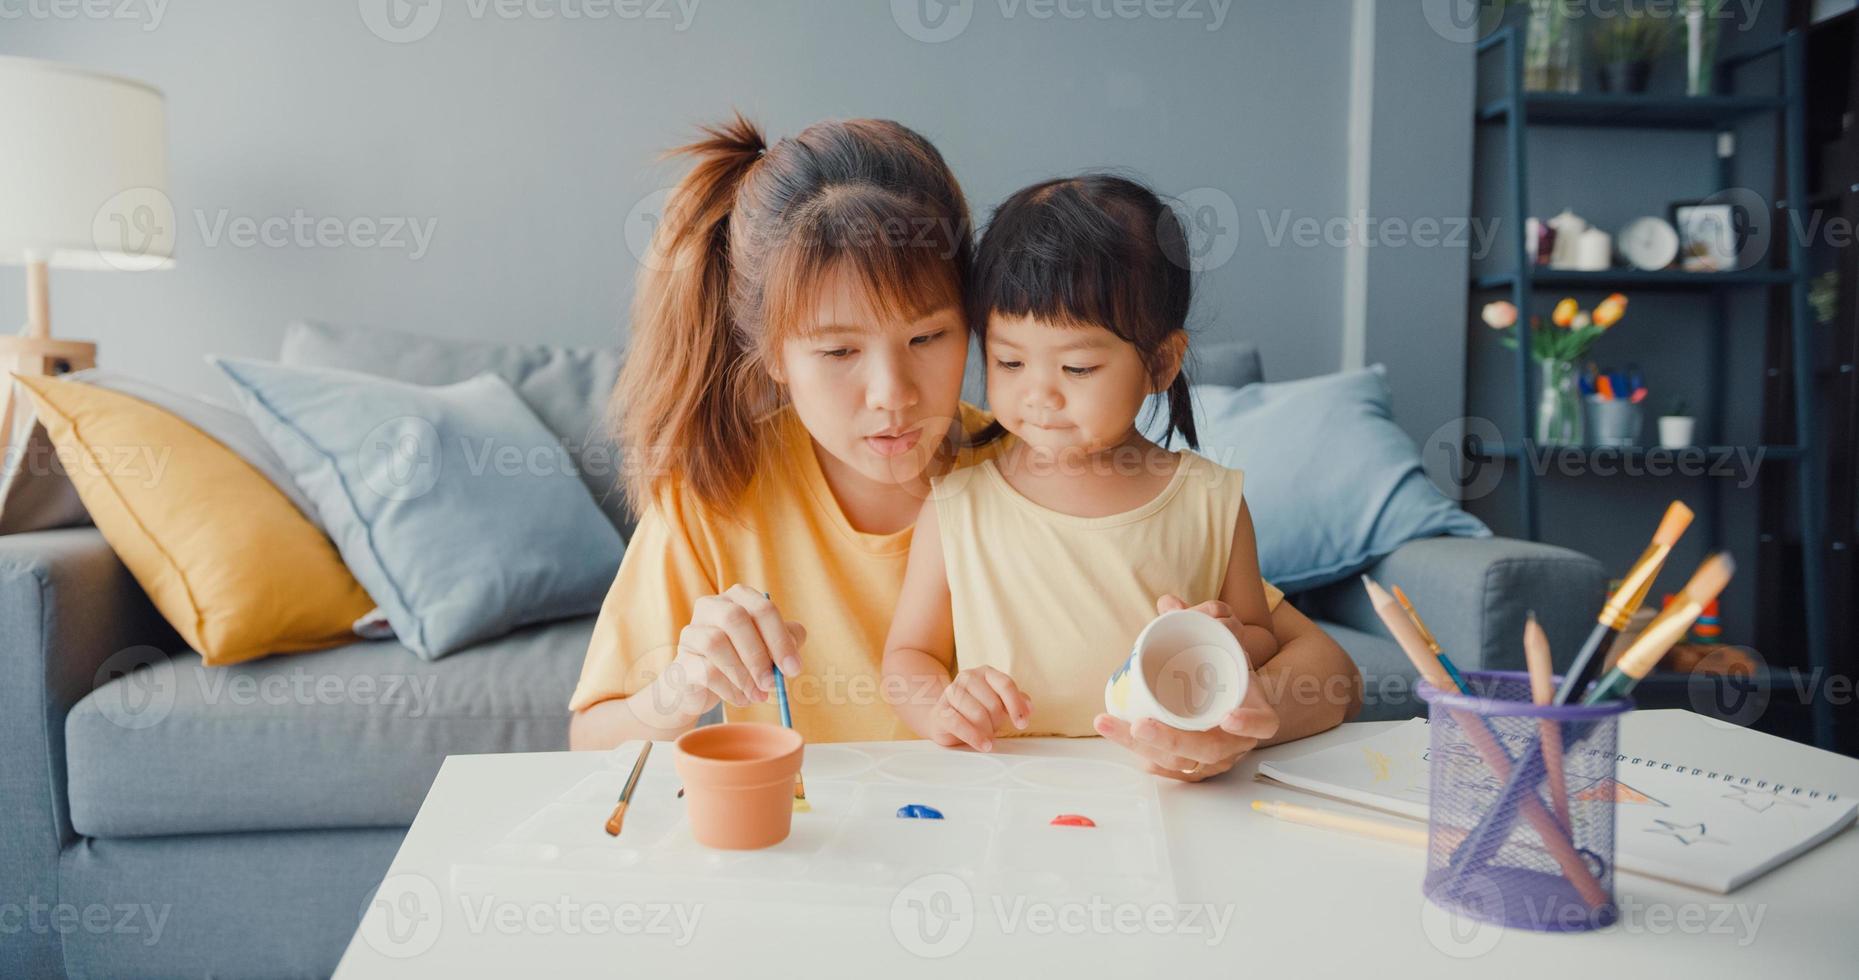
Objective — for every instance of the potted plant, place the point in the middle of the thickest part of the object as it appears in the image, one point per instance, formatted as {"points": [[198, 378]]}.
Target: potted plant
{"points": [[1556, 349], [1677, 427], [1625, 48]]}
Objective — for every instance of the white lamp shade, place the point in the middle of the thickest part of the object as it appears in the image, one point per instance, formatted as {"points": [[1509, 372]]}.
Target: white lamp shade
{"points": [[83, 169]]}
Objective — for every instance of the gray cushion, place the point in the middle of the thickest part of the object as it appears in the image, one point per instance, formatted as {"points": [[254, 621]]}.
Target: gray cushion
{"points": [[349, 737], [567, 387], [1232, 363]]}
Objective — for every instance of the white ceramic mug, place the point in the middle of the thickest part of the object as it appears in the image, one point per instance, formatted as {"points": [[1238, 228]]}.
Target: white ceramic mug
{"points": [[1186, 671]]}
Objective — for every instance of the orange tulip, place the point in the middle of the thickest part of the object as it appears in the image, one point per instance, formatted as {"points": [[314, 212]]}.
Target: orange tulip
{"points": [[1564, 314], [1610, 311], [1501, 315]]}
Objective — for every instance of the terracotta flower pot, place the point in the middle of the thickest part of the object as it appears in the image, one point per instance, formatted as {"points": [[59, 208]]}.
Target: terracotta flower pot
{"points": [[739, 783]]}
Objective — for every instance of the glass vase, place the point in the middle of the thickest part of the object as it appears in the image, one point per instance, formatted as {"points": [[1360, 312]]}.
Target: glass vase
{"points": [[1551, 52], [1558, 411], [1703, 20]]}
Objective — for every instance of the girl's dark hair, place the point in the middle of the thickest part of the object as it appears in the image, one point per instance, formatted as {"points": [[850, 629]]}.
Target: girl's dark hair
{"points": [[1091, 250]]}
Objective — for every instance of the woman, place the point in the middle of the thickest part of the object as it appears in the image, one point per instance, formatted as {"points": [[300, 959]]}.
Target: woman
{"points": [[792, 385]]}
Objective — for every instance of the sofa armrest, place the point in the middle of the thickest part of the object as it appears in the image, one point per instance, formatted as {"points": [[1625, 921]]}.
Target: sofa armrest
{"points": [[1474, 594], [67, 606]]}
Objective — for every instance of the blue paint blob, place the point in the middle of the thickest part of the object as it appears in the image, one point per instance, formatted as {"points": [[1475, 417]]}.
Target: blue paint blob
{"points": [[917, 811]]}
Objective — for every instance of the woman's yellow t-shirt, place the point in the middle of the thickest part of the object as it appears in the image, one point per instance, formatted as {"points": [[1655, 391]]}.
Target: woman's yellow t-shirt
{"points": [[1056, 601], [786, 536]]}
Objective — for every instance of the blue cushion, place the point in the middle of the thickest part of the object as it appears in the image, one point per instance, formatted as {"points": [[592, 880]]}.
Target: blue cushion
{"points": [[1334, 485], [454, 506]]}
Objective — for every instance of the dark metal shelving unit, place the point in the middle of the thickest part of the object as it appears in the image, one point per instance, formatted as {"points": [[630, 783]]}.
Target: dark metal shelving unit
{"points": [[1517, 110]]}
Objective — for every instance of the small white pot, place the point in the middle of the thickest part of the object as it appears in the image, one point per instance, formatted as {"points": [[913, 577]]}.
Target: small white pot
{"points": [[1676, 431]]}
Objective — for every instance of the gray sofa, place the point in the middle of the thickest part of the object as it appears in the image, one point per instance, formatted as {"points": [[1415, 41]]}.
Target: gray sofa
{"points": [[159, 818]]}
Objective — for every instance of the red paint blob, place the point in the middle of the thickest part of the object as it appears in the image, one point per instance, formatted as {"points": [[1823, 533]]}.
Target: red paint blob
{"points": [[1072, 820]]}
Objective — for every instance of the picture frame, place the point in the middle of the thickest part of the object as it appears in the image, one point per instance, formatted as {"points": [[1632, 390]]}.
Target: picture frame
{"points": [[1710, 235]]}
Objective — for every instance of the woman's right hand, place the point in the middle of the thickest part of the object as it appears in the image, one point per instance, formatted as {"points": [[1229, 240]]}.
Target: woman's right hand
{"points": [[729, 650]]}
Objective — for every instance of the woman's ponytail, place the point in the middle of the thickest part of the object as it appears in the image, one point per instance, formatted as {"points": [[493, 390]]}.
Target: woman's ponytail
{"points": [[682, 402]]}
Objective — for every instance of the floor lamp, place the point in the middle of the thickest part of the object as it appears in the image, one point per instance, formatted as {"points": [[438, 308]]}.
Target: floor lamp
{"points": [[83, 185]]}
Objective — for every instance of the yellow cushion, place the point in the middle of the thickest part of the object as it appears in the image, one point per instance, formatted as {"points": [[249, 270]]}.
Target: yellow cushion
{"points": [[224, 555]]}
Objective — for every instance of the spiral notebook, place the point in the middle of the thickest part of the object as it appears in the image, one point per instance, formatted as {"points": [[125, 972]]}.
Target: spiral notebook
{"points": [[1698, 802]]}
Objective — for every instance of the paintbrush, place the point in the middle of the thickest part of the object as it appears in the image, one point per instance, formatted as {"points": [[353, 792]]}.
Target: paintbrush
{"points": [[1623, 603], [787, 721], [1543, 692], [1666, 629], [626, 794], [1426, 636]]}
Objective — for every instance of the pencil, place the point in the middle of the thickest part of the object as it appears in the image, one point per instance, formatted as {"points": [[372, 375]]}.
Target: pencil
{"points": [[626, 794], [1555, 838], [1543, 692], [1331, 820], [1426, 636]]}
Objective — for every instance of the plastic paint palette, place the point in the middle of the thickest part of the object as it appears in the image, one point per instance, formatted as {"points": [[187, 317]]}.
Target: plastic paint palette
{"points": [[996, 833]]}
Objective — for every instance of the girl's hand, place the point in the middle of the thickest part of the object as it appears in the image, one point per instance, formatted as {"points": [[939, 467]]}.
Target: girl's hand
{"points": [[1257, 641], [729, 650], [1194, 756], [975, 705]]}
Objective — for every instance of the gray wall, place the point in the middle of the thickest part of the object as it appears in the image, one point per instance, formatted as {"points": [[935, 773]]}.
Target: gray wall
{"points": [[525, 143]]}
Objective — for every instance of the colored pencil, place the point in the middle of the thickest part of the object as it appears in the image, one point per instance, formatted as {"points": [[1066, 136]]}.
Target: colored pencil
{"points": [[1331, 820], [1543, 692], [1426, 636]]}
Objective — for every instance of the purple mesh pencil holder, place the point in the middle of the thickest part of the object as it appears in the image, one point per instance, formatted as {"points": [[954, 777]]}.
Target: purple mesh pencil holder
{"points": [[1540, 856]]}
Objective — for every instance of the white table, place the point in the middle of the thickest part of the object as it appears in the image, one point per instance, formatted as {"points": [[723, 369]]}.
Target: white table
{"points": [[1283, 900]]}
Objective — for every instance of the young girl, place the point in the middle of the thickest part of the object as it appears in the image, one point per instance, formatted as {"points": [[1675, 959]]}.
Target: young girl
{"points": [[1034, 572]]}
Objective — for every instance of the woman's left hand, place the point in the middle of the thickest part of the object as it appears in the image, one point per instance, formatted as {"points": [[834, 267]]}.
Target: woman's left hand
{"points": [[1194, 756]]}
